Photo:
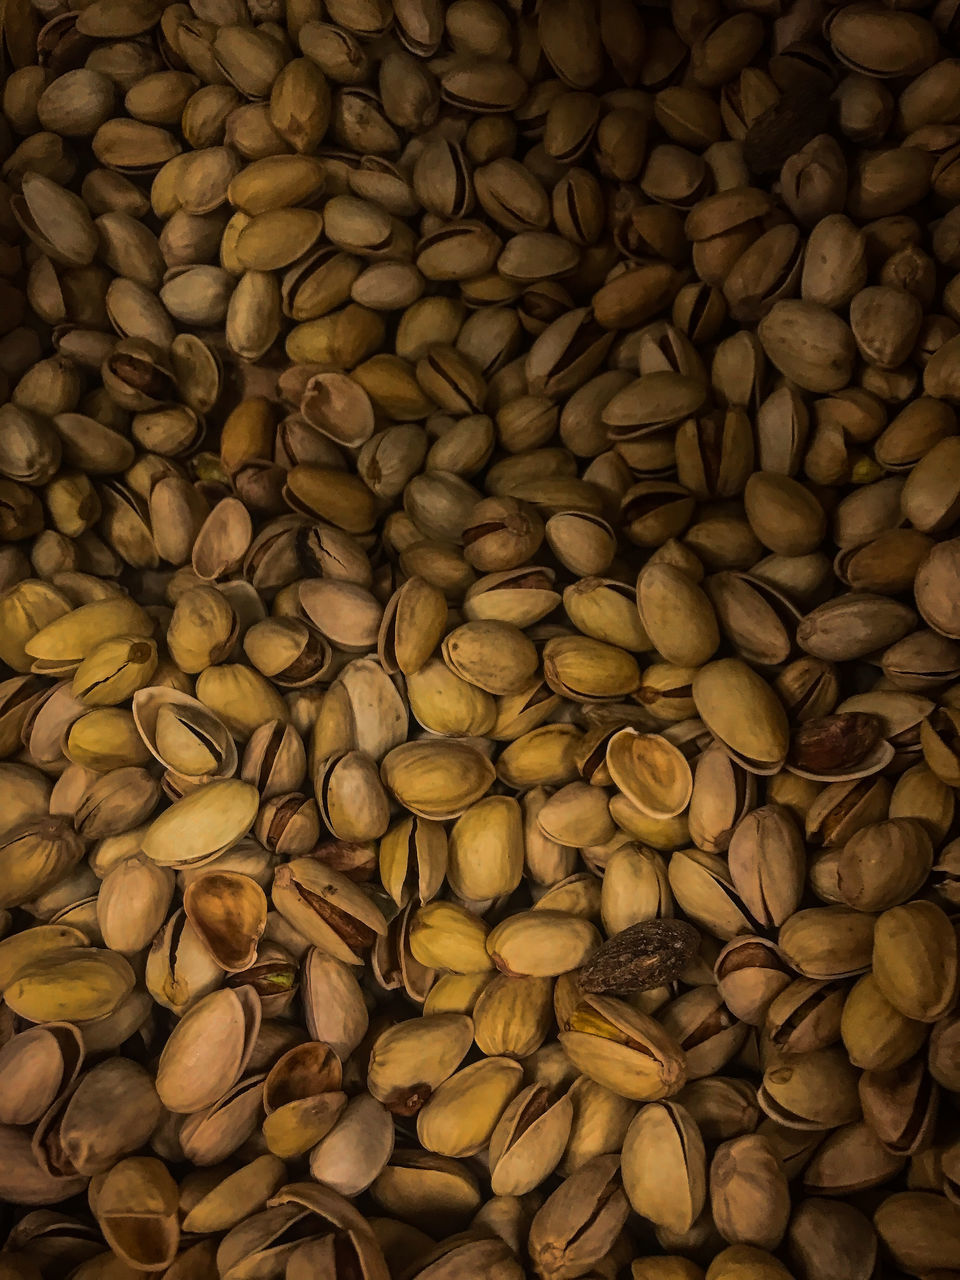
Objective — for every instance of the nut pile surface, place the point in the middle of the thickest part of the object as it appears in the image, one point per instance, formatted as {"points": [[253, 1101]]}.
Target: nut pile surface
{"points": [[479, 640]]}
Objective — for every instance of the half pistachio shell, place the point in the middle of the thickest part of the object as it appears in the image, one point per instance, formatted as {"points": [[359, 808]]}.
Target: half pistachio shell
{"points": [[651, 772], [229, 912]]}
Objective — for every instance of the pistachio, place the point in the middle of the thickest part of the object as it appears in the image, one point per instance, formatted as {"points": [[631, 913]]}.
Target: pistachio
{"points": [[477, 497]]}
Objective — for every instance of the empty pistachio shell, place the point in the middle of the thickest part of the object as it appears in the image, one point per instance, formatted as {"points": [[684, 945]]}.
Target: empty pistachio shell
{"points": [[229, 913]]}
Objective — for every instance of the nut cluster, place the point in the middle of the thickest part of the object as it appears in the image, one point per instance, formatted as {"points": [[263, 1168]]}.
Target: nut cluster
{"points": [[479, 640]]}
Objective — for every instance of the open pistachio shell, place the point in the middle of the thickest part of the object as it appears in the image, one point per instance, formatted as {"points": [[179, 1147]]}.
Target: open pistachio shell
{"points": [[202, 824], [229, 913], [183, 734], [207, 1050], [651, 772]]}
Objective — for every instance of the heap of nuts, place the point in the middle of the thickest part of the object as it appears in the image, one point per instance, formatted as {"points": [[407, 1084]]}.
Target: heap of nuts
{"points": [[479, 640]]}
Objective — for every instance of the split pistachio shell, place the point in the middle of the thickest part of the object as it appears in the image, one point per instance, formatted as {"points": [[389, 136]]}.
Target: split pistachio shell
{"points": [[626, 1051], [207, 1050], [73, 985], [664, 1166], [328, 909], [529, 1140], [35, 1067], [202, 824]]}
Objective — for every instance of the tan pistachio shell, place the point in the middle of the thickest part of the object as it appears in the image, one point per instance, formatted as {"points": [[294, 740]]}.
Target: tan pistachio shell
{"points": [[202, 824], [229, 912], [207, 1050], [651, 772], [184, 734], [36, 1066]]}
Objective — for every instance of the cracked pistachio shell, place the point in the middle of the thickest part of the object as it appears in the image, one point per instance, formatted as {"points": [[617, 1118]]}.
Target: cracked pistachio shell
{"points": [[327, 908], [664, 1166], [179, 968], [512, 1015], [767, 862], [578, 1224], [208, 1049], [437, 779], [413, 860], [623, 1049], [743, 713], [448, 937], [677, 616], [184, 735], [136, 1209], [71, 985], [351, 798], [355, 1151], [747, 1262], [650, 771], [229, 913], [202, 824], [915, 960], [486, 849], [21, 1175], [541, 944], [114, 671], [61, 645], [235, 1197], [828, 942], [410, 1060], [529, 1140], [36, 1066], [703, 888], [462, 1113]]}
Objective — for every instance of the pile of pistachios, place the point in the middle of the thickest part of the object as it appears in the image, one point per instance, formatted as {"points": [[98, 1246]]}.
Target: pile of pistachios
{"points": [[479, 640]]}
